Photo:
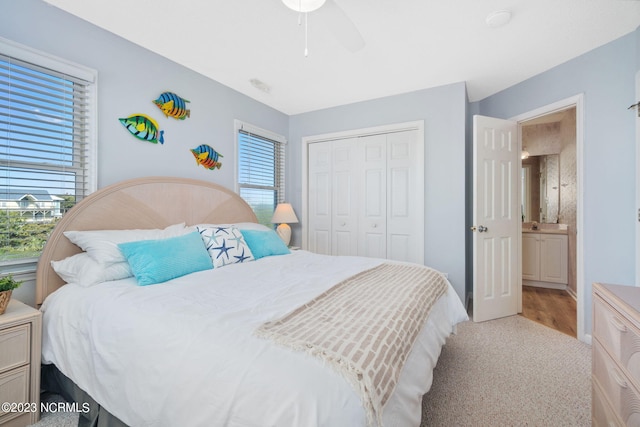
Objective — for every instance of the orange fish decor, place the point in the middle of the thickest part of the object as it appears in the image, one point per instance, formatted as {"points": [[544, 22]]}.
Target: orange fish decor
{"points": [[207, 157], [173, 105]]}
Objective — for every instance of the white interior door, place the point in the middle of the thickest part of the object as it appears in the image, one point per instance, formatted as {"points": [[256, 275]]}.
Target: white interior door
{"points": [[372, 219], [344, 197], [365, 192], [405, 198], [319, 198], [496, 218]]}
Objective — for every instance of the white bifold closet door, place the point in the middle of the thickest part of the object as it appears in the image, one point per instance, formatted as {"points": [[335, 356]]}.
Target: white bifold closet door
{"points": [[366, 197]]}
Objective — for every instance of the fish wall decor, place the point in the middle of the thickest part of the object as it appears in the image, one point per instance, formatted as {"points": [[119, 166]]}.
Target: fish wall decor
{"points": [[207, 157], [143, 127], [173, 105]]}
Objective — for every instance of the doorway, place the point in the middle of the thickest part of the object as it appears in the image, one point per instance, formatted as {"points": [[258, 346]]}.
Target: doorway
{"points": [[551, 142]]}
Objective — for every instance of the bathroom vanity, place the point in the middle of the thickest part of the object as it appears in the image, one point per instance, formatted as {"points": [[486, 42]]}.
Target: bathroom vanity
{"points": [[545, 256]]}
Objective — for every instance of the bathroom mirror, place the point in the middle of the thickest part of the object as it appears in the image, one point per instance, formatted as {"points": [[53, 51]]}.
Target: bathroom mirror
{"points": [[541, 188]]}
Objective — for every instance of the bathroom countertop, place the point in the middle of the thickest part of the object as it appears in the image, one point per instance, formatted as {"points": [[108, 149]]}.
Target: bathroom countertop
{"points": [[546, 230]]}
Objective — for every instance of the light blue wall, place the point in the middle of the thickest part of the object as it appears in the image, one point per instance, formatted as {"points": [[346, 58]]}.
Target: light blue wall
{"points": [[130, 77], [606, 77], [443, 112]]}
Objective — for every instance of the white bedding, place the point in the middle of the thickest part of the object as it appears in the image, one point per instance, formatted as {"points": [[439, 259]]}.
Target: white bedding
{"points": [[183, 352]]}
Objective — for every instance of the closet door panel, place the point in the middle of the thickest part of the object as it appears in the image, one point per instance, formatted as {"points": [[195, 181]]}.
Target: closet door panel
{"points": [[319, 174], [399, 197], [344, 199], [366, 196], [399, 235], [405, 223], [399, 247], [372, 221]]}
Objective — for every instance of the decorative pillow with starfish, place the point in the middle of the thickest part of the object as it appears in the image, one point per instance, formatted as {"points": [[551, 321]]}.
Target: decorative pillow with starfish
{"points": [[225, 245]]}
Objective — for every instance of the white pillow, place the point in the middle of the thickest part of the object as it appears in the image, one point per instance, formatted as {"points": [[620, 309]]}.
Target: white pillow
{"points": [[226, 245], [83, 270], [102, 245], [238, 225]]}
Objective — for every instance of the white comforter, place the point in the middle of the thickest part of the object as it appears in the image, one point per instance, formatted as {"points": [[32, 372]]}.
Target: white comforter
{"points": [[183, 352]]}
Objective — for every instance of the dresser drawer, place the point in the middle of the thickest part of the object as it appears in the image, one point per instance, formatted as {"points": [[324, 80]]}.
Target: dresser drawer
{"points": [[602, 414], [622, 395], [15, 347], [14, 388], [619, 337]]}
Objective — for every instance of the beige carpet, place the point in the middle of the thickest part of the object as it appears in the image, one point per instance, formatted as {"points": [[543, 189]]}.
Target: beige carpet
{"points": [[506, 372], [510, 372]]}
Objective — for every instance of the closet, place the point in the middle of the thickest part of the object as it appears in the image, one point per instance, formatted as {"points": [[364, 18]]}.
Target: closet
{"points": [[366, 196]]}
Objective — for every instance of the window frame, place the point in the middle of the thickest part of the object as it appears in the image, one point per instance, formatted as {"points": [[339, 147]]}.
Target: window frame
{"points": [[239, 125], [56, 64]]}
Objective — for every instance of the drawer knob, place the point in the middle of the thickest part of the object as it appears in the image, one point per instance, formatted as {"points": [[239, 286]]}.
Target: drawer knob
{"points": [[617, 323]]}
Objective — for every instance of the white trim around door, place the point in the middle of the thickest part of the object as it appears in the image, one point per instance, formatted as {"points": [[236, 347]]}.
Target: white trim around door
{"points": [[578, 102]]}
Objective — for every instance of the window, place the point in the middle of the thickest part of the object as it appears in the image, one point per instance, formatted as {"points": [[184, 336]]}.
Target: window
{"points": [[47, 107], [260, 170]]}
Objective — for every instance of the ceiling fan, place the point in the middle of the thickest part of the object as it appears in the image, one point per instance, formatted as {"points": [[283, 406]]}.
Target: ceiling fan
{"points": [[343, 29]]}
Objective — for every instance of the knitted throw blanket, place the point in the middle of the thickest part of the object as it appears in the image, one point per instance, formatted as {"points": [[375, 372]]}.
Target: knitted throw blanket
{"points": [[365, 327]]}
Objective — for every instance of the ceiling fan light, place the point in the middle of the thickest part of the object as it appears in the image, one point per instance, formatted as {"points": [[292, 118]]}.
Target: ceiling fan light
{"points": [[303, 5]]}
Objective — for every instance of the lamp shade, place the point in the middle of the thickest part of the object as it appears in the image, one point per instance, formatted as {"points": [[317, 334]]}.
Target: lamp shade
{"points": [[284, 214]]}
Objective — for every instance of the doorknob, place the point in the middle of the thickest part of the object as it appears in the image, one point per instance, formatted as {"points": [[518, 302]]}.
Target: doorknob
{"points": [[480, 229]]}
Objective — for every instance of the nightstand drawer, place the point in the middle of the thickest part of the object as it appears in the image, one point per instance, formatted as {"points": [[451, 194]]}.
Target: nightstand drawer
{"points": [[14, 388], [15, 347], [622, 395], [619, 337]]}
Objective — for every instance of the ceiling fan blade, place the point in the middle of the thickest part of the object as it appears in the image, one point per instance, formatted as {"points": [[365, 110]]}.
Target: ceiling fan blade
{"points": [[341, 26]]}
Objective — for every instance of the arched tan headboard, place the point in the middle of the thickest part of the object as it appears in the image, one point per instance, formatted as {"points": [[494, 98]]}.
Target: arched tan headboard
{"points": [[154, 202]]}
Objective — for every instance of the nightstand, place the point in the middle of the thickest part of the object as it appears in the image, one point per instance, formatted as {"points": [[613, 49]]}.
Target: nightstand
{"points": [[20, 340]]}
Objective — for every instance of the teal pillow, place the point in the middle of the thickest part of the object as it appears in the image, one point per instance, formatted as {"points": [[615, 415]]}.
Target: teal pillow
{"points": [[156, 261], [264, 243]]}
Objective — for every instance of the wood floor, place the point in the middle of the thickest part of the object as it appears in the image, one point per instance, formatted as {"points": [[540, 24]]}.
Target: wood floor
{"points": [[550, 307]]}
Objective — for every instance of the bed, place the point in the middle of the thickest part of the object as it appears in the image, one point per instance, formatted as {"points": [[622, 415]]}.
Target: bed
{"points": [[218, 346]]}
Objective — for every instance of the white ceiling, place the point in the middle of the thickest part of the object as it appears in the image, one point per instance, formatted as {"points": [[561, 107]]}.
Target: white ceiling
{"points": [[410, 44]]}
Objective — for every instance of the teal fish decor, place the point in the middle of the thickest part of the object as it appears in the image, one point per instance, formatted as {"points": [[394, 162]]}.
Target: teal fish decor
{"points": [[207, 157], [143, 127], [173, 105]]}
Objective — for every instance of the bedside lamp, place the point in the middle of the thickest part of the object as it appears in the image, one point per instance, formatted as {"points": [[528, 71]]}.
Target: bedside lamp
{"points": [[284, 215]]}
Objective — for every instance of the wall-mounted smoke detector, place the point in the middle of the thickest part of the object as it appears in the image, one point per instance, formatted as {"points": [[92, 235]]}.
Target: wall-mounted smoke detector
{"points": [[260, 85], [498, 18]]}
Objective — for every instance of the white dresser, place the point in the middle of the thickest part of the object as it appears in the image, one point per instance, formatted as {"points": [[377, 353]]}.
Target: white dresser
{"points": [[616, 355]]}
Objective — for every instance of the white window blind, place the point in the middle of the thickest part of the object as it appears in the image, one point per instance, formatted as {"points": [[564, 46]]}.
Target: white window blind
{"points": [[46, 139], [261, 159]]}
